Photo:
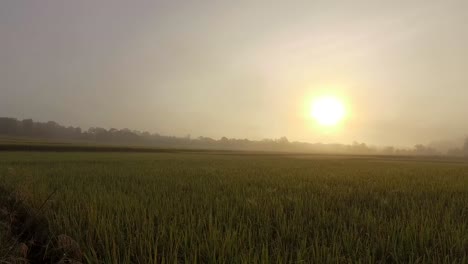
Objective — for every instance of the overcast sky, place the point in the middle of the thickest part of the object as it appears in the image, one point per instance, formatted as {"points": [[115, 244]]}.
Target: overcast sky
{"points": [[244, 69]]}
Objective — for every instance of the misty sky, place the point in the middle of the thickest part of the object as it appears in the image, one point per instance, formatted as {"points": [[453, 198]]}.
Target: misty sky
{"points": [[243, 69]]}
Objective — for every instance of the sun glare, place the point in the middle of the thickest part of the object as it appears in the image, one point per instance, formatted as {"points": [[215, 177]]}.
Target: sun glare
{"points": [[328, 111]]}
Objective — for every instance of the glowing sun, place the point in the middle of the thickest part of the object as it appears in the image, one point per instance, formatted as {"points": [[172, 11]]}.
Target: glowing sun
{"points": [[328, 111]]}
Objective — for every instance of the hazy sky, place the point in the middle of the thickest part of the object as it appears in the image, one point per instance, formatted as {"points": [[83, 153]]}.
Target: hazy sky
{"points": [[244, 69]]}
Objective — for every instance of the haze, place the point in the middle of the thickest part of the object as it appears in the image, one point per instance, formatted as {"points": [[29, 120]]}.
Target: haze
{"points": [[241, 69]]}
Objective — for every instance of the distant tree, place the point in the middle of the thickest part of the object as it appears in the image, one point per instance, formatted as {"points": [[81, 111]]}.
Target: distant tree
{"points": [[77, 132], [283, 140], [465, 148], [14, 127], [359, 148], [388, 150], [9, 126], [206, 139], [224, 141], [28, 126], [420, 149], [456, 152]]}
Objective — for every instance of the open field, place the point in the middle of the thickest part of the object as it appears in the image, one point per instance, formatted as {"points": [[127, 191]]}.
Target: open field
{"points": [[240, 208]]}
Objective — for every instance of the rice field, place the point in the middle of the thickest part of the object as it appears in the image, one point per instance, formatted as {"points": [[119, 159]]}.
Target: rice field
{"points": [[247, 208]]}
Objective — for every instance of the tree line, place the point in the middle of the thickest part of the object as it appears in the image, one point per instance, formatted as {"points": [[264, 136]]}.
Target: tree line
{"points": [[54, 131]]}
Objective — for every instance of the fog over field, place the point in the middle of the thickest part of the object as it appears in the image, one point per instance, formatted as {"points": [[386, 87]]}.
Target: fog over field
{"points": [[260, 131], [240, 69]]}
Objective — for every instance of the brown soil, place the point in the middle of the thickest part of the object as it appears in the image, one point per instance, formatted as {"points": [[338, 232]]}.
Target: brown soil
{"points": [[30, 236]]}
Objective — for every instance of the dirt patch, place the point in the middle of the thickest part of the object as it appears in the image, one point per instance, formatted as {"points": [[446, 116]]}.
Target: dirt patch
{"points": [[28, 237]]}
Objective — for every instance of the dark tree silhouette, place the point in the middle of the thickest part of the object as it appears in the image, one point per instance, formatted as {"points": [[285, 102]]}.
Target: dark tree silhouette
{"points": [[54, 131], [465, 148]]}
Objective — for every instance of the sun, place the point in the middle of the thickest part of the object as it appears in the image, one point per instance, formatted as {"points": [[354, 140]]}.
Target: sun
{"points": [[328, 111]]}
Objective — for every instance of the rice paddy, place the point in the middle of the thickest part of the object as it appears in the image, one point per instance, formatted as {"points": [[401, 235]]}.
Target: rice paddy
{"points": [[247, 208]]}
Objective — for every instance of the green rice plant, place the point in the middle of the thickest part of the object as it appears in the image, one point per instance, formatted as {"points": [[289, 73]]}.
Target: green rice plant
{"points": [[241, 208]]}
